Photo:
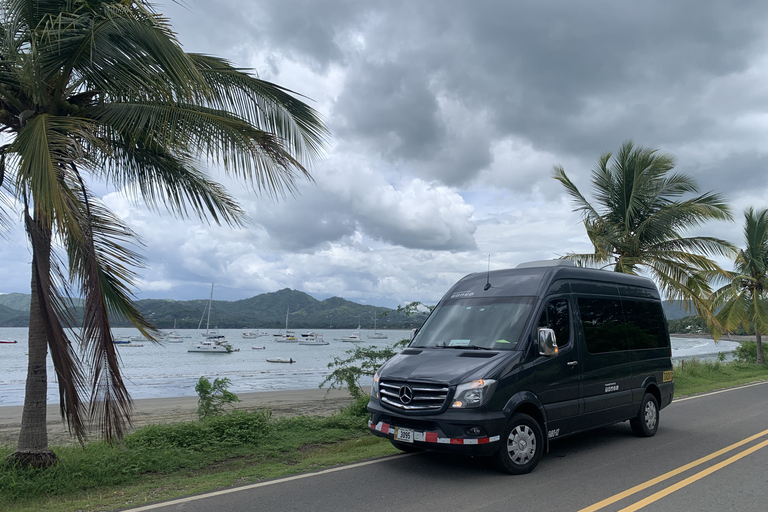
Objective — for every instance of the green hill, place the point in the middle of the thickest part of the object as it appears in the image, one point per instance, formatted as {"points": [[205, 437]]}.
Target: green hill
{"points": [[13, 317], [19, 301], [265, 311]]}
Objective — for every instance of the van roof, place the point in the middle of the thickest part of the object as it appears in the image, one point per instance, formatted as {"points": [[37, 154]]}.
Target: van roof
{"points": [[534, 280]]}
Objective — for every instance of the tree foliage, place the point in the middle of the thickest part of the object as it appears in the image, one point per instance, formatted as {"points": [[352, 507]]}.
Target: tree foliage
{"points": [[213, 397], [743, 301], [638, 218], [359, 362], [102, 93]]}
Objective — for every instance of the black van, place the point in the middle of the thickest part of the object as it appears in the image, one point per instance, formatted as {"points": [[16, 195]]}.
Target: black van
{"points": [[511, 359]]}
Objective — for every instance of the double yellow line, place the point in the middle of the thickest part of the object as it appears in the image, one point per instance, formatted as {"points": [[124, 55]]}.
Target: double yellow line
{"points": [[698, 476]]}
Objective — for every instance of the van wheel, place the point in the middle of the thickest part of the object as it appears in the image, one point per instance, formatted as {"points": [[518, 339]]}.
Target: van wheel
{"points": [[646, 423], [522, 445], [405, 447]]}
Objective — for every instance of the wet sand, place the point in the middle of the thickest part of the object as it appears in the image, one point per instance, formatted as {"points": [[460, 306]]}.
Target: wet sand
{"points": [[152, 411]]}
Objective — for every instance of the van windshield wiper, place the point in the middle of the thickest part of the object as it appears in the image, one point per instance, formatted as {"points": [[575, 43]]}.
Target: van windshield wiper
{"points": [[461, 347]]}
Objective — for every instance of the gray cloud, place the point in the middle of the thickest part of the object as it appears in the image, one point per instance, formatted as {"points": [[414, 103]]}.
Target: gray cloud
{"points": [[447, 119]]}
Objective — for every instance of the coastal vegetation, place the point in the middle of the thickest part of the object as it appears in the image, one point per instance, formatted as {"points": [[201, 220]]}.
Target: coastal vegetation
{"points": [[162, 462], [101, 93], [638, 219]]}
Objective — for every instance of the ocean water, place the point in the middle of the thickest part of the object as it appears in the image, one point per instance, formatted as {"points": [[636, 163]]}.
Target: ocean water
{"points": [[169, 370]]}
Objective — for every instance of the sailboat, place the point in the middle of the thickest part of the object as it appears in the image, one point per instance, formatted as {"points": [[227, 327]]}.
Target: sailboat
{"points": [[376, 335], [212, 344], [289, 336], [173, 336]]}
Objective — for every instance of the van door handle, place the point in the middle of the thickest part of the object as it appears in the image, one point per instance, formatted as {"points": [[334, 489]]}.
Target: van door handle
{"points": [[572, 363]]}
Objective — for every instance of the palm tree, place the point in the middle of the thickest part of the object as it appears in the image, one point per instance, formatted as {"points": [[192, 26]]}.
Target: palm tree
{"points": [[744, 300], [638, 222], [101, 91]]}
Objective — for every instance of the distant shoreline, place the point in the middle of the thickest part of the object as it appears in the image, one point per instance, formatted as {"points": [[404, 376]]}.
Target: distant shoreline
{"points": [[732, 337]]}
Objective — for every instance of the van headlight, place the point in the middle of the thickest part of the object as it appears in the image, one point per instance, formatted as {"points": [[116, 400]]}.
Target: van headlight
{"points": [[375, 386], [473, 394]]}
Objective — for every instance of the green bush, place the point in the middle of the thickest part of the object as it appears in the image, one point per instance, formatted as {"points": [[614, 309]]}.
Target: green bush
{"points": [[213, 397], [746, 352], [238, 427]]}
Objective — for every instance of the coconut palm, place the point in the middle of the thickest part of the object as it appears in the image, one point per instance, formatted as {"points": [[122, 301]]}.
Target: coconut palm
{"points": [[100, 91], [638, 220], [744, 300]]}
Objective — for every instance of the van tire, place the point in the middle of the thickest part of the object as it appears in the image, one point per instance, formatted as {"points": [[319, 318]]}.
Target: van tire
{"points": [[646, 423], [522, 445], [406, 447]]}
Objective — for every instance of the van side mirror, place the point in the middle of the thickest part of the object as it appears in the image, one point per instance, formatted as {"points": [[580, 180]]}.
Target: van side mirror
{"points": [[413, 333], [547, 342]]}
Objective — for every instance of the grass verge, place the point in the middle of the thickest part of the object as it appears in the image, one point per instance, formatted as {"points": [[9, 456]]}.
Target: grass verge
{"points": [[163, 462]]}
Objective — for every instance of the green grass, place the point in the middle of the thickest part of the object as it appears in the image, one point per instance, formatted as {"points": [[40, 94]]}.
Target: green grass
{"points": [[163, 462], [693, 376]]}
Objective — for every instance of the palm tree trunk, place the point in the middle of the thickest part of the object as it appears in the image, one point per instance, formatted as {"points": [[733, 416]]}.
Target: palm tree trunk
{"points": [[759, 343], [32, 448]]}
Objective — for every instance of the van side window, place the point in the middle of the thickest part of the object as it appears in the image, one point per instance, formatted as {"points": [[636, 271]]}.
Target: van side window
{"points": [[603, 324], [555, 316], [645, 324]]}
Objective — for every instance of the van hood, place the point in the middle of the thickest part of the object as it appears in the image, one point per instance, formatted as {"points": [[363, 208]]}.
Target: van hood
{"points": [[445, 366]]}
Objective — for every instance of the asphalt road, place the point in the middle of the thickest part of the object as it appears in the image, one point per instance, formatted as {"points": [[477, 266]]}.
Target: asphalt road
{"points": [[710, 454]]}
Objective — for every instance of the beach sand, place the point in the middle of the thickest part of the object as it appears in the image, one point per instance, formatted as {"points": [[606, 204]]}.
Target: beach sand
{"points": [[153, 411]]}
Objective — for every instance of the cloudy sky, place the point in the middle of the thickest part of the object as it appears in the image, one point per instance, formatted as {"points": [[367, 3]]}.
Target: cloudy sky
{"points": [[447, 118]]}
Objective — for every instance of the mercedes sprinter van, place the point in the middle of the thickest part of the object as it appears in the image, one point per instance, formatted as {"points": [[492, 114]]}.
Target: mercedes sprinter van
{"points": [[511, 359]]}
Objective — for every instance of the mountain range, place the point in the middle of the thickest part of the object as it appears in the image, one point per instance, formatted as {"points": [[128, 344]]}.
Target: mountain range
{"points": [[265, 311]]}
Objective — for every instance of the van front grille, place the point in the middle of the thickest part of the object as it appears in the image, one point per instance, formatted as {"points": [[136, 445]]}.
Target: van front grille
{"points": [[413, 396]]}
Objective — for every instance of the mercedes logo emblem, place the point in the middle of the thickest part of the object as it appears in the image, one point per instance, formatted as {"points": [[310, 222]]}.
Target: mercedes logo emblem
{"points": [[405, 394]]}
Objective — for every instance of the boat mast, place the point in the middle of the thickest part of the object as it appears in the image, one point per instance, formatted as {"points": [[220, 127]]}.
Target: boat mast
{"points": [[208, 322]]}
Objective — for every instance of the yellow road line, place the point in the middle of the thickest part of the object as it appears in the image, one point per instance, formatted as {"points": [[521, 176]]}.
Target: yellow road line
{"points": [[698, 476], [670, 474]]}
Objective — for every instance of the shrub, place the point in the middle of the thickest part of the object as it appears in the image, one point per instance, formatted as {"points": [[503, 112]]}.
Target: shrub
{"points": [[360, 362], [213, 397], [746, 352], [238, 427]]}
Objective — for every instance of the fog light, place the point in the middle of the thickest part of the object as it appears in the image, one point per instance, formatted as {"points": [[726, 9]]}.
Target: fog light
{"points": [[474, 431]]}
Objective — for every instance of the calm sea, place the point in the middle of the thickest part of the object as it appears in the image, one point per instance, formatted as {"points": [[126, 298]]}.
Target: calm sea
{"points": [[169, 370]]}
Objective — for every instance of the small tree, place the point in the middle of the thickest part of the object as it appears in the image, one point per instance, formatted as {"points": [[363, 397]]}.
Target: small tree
{"points": [[213, 397], [360, 362]]}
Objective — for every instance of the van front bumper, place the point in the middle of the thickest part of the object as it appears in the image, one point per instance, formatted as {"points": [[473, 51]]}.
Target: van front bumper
{"points": [[470, 431]]}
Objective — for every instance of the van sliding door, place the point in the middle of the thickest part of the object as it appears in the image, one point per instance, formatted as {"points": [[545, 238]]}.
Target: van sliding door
{"points": [[606, 365]]}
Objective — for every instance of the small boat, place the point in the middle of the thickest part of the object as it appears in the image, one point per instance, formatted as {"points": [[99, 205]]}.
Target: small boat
{"points": [[9, 342], [354, 337], [174, 338], [121, 340], [376, 334], [258, 348], [280, 360], [289, 336], [210, 346], [312, 338], [254, 334], [130, 344]]}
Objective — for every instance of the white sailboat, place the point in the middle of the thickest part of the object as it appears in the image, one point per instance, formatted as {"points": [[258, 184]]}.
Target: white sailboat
{"points": [[288, 336], [213, 343], [376, 335]]}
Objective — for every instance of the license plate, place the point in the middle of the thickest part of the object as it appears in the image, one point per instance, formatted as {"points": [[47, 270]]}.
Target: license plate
{"points": [[404, 435]]}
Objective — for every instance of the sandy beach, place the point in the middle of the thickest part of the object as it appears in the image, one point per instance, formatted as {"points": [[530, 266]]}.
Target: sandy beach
{"points": [[152, 411]]}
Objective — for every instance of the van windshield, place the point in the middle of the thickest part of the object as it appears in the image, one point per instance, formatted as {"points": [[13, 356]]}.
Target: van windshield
{"points": [[488, 323]]}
